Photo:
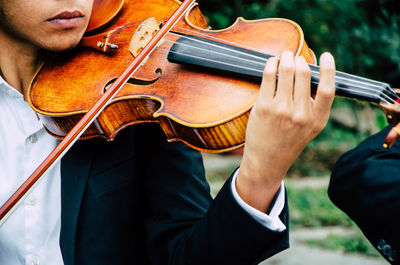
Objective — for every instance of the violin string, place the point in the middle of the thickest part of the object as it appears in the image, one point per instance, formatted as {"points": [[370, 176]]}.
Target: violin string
{"points": [[234, 44], [264, 60], [359, 90], [222, 47], [366, 91], [315, 73], [131, 24], [238, 45], [367, 81]]}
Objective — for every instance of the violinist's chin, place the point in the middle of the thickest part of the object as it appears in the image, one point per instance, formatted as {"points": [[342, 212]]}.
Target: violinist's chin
{"points": [[65, 29], [64, 32]]}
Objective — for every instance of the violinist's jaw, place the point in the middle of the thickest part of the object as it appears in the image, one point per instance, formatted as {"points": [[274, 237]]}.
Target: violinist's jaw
{"points": [[54, 25]]}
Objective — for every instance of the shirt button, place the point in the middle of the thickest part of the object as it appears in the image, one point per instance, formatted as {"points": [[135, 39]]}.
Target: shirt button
{"points": [[33, 138], [386, 250], [381, 244]]}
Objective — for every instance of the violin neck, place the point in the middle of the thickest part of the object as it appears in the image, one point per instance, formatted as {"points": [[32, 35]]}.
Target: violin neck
{"points": [[356, 87], [215, 55]]}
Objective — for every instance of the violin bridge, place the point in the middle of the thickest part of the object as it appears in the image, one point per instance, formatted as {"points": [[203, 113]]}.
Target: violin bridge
{"points": [[143, 34]]}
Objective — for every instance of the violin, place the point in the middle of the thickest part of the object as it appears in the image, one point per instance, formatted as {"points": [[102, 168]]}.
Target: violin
{"points": [[197, 83], [206, 104]]}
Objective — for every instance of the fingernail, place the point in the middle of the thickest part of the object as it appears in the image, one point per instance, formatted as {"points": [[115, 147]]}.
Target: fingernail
{"points": [[327, 57]]}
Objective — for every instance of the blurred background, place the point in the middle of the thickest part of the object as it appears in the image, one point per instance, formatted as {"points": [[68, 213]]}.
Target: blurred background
{"points": [[364, 38]]}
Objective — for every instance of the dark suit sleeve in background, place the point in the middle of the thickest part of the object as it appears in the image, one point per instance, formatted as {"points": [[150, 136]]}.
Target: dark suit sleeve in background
{"points": [[365, 184]]}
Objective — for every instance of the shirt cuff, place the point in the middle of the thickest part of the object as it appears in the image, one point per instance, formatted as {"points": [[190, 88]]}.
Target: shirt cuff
{"points": [[271, 220]]}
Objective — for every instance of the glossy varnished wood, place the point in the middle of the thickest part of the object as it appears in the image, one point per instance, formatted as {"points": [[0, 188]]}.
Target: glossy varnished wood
{"points": [[207, 111], [103, 12]]}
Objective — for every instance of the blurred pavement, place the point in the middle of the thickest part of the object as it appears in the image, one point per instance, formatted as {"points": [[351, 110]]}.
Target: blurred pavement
{"points": [[301, 254]]}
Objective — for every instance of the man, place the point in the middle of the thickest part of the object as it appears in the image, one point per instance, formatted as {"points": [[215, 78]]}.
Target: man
{"points": [[140, 199], [365, 185]]}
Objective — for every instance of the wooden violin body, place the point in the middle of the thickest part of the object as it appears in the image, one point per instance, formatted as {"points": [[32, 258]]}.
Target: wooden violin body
{"points": [[206, 109]]}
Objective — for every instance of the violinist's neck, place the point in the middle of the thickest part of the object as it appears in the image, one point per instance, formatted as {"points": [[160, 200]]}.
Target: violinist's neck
{"points": [[19, 61]]}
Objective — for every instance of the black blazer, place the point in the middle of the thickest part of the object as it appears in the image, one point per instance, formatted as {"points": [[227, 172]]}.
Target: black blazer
{"points": [[141, 200], [365, 184]]}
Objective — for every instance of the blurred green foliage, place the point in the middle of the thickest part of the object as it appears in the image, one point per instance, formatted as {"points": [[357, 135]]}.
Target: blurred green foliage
{"points": [[353, 244], [312, 208]]}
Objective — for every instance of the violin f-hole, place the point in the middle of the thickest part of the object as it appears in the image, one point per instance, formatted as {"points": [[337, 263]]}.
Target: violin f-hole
{"points": [[135, 81]]}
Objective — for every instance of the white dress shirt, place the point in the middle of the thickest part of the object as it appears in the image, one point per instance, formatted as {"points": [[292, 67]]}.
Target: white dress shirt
{"points": [[270, 220], [31, 234]]}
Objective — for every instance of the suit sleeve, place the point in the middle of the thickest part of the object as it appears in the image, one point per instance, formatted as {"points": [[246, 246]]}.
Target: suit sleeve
{"points": [[365, 184], [186, 226]]}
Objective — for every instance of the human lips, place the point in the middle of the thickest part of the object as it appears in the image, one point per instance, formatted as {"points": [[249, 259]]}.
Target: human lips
{"points": [[67, 19]]}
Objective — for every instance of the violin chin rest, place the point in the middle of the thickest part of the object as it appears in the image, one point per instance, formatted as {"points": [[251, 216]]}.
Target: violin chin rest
{"points": [[103, 12]]}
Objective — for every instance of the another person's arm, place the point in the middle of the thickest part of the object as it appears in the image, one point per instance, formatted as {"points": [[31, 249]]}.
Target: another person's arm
{"points": [[365, 184]]}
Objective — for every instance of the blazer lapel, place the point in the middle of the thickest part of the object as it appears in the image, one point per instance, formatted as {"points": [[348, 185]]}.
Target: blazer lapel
{"points": [[75, 168]]}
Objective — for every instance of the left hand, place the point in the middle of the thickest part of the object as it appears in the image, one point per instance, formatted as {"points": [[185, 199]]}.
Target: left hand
{"points": [[284, 119]]}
